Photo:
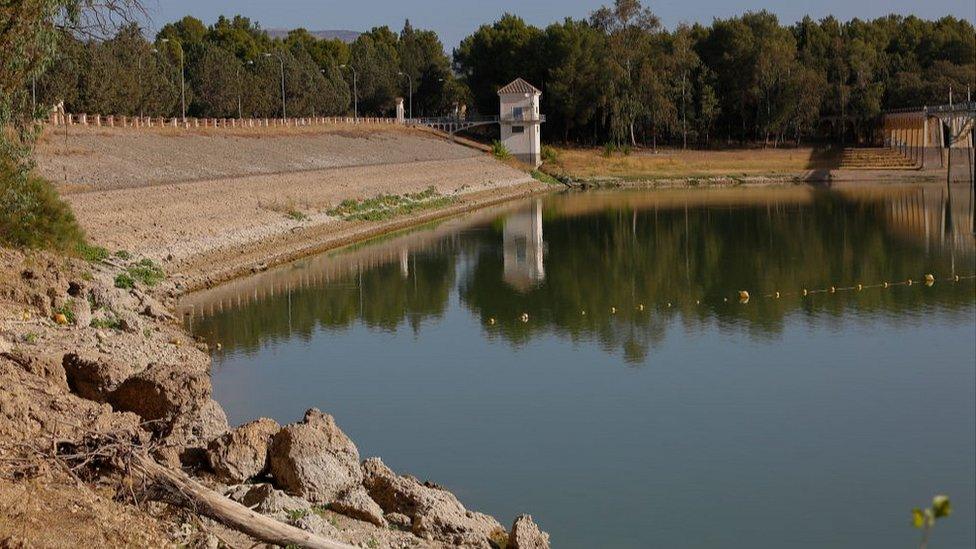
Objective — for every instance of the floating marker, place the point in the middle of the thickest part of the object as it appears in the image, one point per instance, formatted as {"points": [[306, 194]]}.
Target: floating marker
{"points": [[613, 310], [583, 313], [491, 321], [669, 304], [909, 282], [524, 317], [955, 278], [805, 292], [777, 295], [743, 294], [725, 299], [860, 287], [697, 302], [219, 346], [833, 290], [640, 307], [884, 284], [929, 280]]}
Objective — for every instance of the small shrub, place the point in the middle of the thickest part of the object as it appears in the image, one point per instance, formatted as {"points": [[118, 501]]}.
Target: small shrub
{"points": [[30, 338], [147, 272], [544, 177], [500, 150], [124, 281], [296, 514], [123, 255], [550, 154], [106, 323], [93, 254], [296, 215], [32, 215], [609, 148], [626, 149]]}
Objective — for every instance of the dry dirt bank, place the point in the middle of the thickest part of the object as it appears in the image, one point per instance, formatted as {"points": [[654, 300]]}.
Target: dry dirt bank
{"points": [[89, 158], [212, 204]]}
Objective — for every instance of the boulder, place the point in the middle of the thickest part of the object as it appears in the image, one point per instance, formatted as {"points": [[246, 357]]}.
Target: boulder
{"points": [[171, 399], [527, 535], [398, 521], [265, 499], [242, 453], [435, 514], [357, 504], [81, 309], [314, 459], [92, 376]]}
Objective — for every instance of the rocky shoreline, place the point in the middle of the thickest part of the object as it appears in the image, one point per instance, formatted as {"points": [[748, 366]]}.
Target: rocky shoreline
{"points": [[90, 368]]}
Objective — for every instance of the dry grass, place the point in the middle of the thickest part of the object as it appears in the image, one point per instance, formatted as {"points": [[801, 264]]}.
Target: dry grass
{"points": [[642, 164]]}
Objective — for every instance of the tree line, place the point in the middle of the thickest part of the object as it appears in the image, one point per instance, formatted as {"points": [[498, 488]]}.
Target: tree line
{"points": [[618, 76], [234, 68]]}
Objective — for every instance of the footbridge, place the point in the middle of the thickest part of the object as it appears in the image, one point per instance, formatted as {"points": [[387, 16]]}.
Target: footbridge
{"points": [[453, 124]]}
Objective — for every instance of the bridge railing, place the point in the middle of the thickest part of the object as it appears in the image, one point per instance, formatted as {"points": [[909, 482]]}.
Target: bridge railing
{"points": [[524, 117]]}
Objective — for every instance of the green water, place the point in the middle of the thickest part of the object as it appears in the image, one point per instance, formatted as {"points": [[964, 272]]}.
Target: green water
{"points": [[587, 358]]}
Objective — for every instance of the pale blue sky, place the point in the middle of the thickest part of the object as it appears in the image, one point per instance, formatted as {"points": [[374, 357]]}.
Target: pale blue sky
{"points": [[455, 19]]}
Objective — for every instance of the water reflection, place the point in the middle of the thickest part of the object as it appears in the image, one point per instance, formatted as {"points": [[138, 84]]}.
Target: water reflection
{"points": [[619, 268]]}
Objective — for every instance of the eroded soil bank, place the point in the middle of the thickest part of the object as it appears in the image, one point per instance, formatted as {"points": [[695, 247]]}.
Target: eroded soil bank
{"points": [[98, 373]]}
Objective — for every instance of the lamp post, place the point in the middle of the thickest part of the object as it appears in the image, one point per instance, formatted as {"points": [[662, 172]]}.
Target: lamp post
{"points": [[284, 113], [240, 91], [355, 89], [410, 81], [182, 78]]}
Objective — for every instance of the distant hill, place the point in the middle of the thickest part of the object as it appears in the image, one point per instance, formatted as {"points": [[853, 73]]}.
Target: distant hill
{"points": [[346, 36]]}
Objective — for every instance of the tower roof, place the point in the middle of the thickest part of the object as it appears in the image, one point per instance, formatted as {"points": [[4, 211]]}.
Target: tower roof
{"points": [[519, 86]]}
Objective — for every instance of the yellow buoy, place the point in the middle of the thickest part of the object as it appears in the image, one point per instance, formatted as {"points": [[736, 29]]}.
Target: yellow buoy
{"points": [[955, 278], [613, 310], [697, 302], [725, 299], [884, 284], [640, 307], [909, 282], [833, 289], [219, 346], [583, 313], [860, 287], [669, 304], [491, 321], [524, 317], [743, 294], [805, 291], [777, 295], [929, 280]]}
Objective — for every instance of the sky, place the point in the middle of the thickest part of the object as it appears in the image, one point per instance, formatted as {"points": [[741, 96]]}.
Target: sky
{"points": [[455, 19]]}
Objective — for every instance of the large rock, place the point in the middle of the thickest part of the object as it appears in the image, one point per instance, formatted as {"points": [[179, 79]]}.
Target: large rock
{"points": [[265, 499], [314, 459], [435, 513], [357, 504], [527, 535], [93, 376], [242, 453]]}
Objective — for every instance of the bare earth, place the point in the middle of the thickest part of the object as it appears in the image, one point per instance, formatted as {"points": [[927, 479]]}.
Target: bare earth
{"points": [[213, 204]]}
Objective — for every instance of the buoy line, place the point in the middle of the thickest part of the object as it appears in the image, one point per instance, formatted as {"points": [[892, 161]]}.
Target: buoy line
{"points": [[743, 296]]}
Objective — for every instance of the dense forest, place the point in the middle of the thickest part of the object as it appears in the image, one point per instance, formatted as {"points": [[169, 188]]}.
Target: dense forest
{"points": [[618, 76]]}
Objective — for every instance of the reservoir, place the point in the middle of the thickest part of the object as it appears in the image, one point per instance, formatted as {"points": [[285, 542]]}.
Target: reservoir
{"points": [[684, 368]]}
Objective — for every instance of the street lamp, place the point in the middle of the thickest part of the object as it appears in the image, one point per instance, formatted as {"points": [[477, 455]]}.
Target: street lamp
{"points": [[240, 91], [355, 89], [182, 78], [284, 113], [410, 80]]}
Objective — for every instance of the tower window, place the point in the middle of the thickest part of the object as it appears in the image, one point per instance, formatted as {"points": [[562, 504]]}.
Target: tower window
{"points": [[518, 129]]}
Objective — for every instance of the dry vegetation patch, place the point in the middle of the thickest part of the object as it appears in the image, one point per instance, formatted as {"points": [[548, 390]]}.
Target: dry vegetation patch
{"points": [[644, 164]]}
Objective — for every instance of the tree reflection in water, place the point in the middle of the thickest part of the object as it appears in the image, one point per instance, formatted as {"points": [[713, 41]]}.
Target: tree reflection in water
{"points": [[622, 268]]}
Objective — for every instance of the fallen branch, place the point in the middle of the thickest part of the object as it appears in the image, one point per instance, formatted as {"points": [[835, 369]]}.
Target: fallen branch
{"points": [[190, 494]]}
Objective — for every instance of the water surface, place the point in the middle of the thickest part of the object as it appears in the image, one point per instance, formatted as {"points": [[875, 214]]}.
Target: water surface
{"points": [[587, 358]]}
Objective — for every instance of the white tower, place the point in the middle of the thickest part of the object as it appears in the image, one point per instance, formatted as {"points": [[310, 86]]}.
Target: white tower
{"points": [[521, 121]]}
